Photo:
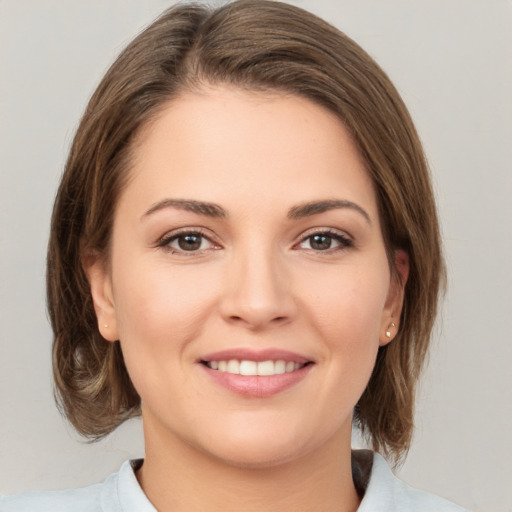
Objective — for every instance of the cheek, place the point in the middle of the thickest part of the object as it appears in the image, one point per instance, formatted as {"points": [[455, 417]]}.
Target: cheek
{"points": [[159, 308], [348, 319], [160, 312], [350, 308]]}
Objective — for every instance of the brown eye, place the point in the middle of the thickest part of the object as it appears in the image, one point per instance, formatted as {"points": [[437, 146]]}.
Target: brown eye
{"points": [[187, 242], [320, 242], [326, 241], [190, 242]]}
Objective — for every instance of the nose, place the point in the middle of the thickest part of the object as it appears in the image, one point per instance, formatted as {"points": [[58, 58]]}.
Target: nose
{"points": [[258, 291]]}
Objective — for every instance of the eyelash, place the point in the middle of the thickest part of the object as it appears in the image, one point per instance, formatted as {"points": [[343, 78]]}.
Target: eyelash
{"points": [[166, 240], [344, 241]]}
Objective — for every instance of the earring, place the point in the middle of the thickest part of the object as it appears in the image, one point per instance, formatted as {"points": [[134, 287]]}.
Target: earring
{"points": [[388, 332], [100, 313]]}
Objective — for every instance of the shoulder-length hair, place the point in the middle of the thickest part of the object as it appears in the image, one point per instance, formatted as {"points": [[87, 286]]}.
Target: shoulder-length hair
{"points": [[255, 45]]}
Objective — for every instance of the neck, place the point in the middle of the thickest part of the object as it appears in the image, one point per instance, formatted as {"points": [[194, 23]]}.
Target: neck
{"points": [[179, 478]]}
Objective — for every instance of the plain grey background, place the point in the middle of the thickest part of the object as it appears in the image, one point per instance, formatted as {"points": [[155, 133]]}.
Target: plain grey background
{"points": [[452, 62]]}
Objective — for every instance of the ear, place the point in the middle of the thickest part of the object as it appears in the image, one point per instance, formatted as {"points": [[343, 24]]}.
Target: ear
{"points": [[100, 283], [390, 323]]}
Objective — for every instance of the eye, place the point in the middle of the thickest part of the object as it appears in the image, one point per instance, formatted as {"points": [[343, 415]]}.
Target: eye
{"points": [[187, 241], [325, 241]]}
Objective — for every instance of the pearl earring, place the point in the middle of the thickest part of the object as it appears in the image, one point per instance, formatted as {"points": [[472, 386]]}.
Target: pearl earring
{"points": [[388, 332]]}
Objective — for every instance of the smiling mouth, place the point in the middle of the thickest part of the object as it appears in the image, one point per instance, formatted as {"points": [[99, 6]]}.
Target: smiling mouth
{"points": [[255, 368]]}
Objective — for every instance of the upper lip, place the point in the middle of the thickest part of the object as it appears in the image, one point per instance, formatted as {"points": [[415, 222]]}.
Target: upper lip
{"points": [[245, 354]]}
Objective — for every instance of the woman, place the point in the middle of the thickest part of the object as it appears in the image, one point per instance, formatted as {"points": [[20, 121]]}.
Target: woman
{"points": [[245, 250]]}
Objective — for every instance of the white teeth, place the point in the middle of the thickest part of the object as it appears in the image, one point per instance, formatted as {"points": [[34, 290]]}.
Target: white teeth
{"points": [[280, 367], [263, 368], [233, 366], [248, 368], [266, 368]]}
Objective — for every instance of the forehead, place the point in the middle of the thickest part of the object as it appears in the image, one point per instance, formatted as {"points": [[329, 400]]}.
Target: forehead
{"points": [[223, 144]]}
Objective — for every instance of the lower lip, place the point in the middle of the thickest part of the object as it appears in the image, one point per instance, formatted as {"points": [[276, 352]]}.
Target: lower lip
{"points": [[256, 386]]}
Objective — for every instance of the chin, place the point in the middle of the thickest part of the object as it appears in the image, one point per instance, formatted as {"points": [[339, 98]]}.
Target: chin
{"points": [[259, 448]]}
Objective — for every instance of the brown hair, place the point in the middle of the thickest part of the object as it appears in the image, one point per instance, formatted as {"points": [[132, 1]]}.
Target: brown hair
{"points": [[257, 45]]}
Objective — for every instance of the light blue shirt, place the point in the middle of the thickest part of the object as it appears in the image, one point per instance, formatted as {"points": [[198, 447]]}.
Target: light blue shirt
{"points": [[121, 492]]}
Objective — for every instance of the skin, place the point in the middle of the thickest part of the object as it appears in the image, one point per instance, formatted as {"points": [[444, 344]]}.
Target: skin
{"points": [[256, 281]]}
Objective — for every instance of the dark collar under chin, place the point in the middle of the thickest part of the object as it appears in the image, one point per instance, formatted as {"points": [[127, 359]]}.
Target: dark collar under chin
{"points": [[362, 463]]}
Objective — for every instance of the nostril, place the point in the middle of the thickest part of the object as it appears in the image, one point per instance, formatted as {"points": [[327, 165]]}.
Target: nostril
{"points": [[254, 321]]}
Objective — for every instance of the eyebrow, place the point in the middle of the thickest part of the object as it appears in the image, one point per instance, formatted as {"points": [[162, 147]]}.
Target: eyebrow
{"points": [[189, 205], [296, 212], [314, 207]]}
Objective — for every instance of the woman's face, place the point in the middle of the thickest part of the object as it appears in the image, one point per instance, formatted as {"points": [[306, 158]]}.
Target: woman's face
{"points": [[247, 240]]}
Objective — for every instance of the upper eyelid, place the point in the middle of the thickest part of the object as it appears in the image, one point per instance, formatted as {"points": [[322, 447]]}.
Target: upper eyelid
{"points": [[188, 230], [325, 230]]}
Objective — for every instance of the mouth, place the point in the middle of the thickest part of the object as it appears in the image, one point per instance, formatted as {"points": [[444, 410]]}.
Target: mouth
{"points": [[257, 374], [255, 368]]}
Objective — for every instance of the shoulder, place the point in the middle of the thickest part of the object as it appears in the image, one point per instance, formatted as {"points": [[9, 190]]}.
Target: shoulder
{"points": [[385, 492], [76, 500], [120, 492]]}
